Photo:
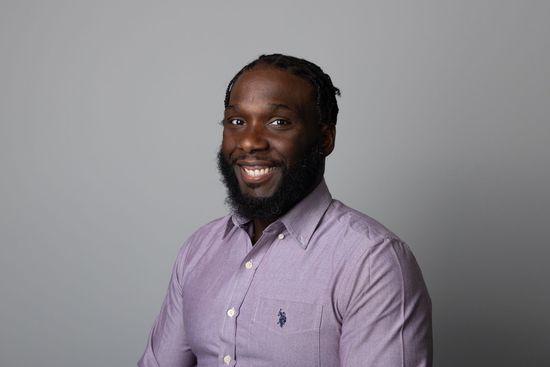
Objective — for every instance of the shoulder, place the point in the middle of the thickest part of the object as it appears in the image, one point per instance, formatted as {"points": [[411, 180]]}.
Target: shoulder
{"points": [[362, 245], [213, 229], [356, 242], [356, 226], [367, 237], [371, 258], [200, 241]]}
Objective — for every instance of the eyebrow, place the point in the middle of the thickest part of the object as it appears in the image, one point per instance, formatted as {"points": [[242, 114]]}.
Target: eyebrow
{"points": [[274, 106]]}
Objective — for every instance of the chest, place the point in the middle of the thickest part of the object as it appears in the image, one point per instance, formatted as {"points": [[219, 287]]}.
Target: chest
{"points": [[272, 303]]}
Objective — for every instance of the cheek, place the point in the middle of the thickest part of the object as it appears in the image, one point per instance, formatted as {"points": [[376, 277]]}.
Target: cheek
{"points": [[228, 144], [287, 153], [294, 149]]}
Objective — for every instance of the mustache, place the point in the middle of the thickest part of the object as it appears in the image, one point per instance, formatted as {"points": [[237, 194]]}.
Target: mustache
{"points": [[255, 157]]}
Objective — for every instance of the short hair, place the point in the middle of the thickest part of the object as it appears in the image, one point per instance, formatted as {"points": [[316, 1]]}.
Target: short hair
{"points": [[325, 91]]}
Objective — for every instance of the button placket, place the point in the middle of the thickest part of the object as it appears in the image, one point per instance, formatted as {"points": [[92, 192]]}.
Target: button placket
{"points": [[231, 312], [242, 280]]}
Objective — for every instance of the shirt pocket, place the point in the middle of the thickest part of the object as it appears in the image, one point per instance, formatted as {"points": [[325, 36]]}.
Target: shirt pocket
{"points": [[286, 333], [287, 317]]}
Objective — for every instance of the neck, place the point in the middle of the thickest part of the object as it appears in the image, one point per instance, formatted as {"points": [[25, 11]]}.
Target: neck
{"points": [[261, 224], [259, 227]]}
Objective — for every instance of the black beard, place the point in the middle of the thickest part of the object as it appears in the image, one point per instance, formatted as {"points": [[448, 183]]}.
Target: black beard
{"points": [[297, 182]]}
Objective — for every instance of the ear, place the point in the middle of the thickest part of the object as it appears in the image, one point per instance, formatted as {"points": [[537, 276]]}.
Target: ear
{"points": [[328, 136]]}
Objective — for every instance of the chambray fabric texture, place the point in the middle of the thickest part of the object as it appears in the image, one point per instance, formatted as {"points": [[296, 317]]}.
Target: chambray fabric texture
{"points": [[325, 285]]}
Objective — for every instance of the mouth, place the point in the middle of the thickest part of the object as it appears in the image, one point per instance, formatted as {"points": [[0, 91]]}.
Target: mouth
{"points": [[256, 174]]}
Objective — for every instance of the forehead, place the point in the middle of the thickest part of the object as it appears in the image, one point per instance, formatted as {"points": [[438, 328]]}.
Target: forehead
{"points": [[273, 86]]}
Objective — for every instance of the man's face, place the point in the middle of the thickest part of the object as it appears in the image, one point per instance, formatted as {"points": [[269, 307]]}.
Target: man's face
{"points": [[272, 141]]}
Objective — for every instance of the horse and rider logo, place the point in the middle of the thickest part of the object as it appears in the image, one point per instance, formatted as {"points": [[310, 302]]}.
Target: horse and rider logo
{"points": [[282, 318]]}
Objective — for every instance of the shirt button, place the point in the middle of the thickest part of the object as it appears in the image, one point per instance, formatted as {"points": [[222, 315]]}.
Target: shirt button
{"points": [[231, 312], [227, 359], [248, 265], [281, 236]]}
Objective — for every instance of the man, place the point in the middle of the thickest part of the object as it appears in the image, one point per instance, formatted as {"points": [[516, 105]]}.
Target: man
{"points": [[291, 277]]}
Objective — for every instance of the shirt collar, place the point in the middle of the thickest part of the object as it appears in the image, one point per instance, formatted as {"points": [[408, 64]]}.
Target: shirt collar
{"points": [[233, 220], [302, 220]]}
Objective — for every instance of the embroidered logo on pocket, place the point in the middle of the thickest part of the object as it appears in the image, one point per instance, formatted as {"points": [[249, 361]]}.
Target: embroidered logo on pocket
{"points": [[282, 318]]}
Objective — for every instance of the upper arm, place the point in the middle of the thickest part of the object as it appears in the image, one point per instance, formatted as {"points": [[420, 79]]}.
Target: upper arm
{"points": [[387, 320], [167, 345]]}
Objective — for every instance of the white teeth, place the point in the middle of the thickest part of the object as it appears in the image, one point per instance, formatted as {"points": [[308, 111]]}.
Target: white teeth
{"points": [[258, 172]]}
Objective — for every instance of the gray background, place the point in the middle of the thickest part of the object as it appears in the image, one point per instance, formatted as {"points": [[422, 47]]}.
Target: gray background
{"points": [[108, 136]]}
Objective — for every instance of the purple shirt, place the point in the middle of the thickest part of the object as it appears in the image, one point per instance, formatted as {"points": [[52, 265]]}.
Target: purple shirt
{"points": [[325, 285]]}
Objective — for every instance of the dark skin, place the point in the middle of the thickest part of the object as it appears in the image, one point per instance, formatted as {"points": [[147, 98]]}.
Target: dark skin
{"points": [[271, 122]]}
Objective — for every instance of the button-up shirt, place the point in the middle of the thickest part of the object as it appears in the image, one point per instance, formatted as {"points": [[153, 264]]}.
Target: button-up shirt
{"points": [[325, 285]]}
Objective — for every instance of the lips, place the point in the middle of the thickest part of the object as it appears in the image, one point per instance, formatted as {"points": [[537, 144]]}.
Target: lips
{"points": [[255, 171], [256, 174]]}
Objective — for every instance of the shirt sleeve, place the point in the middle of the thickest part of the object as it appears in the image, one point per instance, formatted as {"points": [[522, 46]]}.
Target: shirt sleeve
{"points": [[387, 316], [167, 345]]}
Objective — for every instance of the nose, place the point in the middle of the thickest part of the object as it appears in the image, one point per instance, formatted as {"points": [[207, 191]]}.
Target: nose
{"points": [[253, 139]]}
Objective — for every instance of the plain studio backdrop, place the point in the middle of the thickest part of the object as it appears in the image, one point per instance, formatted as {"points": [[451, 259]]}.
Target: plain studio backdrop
{"points": [[109, 129]]}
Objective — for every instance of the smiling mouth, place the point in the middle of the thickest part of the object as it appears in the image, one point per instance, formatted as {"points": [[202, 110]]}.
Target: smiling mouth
{"points": [[256, 174]]}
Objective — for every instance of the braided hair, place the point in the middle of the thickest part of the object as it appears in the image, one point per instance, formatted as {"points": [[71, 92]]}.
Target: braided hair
{"points": [[325, 91]]}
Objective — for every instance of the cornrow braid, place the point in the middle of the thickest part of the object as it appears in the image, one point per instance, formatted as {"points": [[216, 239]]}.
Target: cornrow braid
{"points": [[326, 92]]}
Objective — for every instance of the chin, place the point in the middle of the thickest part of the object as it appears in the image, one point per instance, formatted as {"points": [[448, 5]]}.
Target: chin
{"points": [[264, 189], [258, 192]]}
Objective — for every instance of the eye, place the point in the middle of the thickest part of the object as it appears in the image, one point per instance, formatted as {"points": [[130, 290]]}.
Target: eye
{"points": [[279, 123], [233, 122]]}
